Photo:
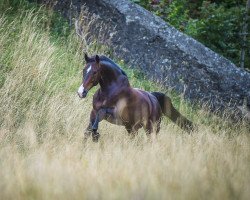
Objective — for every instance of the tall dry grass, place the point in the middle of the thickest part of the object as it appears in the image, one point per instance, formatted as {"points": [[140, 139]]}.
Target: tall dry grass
{"points": [[42, 155]]}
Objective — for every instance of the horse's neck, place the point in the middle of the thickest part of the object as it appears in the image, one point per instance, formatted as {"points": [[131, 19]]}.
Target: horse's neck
{"points": [[111, 78]]}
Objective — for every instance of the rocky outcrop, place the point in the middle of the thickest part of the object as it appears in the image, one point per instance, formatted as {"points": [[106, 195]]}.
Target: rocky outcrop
{"points": [[163, 53]]}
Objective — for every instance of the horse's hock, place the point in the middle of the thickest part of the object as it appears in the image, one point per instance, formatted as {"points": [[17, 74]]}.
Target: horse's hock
{"points": [[163, 53]]}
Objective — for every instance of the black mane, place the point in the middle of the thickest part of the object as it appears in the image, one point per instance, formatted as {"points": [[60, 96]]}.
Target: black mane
{"points": [[104, 58]]}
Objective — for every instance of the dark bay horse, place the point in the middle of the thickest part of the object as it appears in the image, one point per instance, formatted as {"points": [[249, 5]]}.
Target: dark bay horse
{"points": [[118, 103]]}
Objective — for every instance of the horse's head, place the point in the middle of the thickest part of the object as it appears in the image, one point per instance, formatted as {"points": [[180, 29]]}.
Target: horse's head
{"points": [[91, 75]]}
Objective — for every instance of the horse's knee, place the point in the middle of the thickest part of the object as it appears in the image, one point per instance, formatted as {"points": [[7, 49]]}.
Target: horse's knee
{"points": [[103, 113]]}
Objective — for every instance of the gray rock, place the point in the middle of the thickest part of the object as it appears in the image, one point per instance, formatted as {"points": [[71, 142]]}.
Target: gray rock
{"points": [[164, 54]]}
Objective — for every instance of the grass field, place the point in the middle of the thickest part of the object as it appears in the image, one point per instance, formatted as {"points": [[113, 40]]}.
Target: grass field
{"points": [[42, 154]]}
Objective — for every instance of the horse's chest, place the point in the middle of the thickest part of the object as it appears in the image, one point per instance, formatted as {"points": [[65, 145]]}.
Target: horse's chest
{"points": [[103, 103]]}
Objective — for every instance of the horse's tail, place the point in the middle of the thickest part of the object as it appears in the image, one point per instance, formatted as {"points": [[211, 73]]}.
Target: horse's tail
{"points": [[169, 110]]}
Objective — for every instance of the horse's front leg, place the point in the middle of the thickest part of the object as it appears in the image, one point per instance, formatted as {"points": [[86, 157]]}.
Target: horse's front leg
{"points": [[89, 131], [103, 113]]}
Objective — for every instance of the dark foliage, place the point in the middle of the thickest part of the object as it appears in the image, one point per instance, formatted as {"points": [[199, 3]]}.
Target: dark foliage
{"points": [[216, 24]]}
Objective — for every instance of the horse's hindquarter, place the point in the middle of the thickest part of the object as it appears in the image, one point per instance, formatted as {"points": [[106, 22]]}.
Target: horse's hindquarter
{"points": [[145, 106]]}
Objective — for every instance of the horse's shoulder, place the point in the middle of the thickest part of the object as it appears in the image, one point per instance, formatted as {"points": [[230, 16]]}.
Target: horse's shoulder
{"points": [[97, 95]]}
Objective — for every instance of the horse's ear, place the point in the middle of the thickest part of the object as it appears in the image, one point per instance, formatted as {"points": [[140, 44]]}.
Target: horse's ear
{"points": [[97, 59], [86, 57]]}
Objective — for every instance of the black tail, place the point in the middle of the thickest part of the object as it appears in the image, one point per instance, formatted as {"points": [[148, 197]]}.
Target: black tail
{"points": [[169, 111]]}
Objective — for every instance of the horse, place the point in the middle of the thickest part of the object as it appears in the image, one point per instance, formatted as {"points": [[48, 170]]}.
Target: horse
{"points": [[119, 103]]}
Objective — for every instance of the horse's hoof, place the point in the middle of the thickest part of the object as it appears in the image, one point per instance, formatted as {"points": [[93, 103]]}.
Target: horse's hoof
{"points": [[95, 137]]}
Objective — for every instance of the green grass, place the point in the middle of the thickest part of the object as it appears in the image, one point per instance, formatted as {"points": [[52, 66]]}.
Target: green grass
{"points": [[42, 155]]}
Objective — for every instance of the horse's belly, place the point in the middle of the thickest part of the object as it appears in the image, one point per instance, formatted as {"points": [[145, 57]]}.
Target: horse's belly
{"points": [[116, 121]]}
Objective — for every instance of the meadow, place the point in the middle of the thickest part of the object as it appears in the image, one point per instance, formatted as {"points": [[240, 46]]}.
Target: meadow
{"points": [[42, 120]]}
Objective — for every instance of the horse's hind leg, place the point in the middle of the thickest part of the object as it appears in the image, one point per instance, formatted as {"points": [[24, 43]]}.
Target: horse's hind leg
{"points": [[132, 130], [149, 127], [151, 130], [158, 126]]}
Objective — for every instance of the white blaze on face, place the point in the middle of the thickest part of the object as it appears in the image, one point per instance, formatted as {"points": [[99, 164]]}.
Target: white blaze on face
{"points": [[80, 90], [88, 70]]}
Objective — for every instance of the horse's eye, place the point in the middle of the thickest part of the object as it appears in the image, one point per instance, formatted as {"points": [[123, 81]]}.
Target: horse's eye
{"points": [[95, 72]]}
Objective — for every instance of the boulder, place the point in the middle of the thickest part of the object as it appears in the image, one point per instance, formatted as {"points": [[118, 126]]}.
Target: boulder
{"points": [[162, 53]]}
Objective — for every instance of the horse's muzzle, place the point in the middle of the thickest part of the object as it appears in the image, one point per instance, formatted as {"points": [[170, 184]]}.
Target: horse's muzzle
{"points": [[82, 92]]}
